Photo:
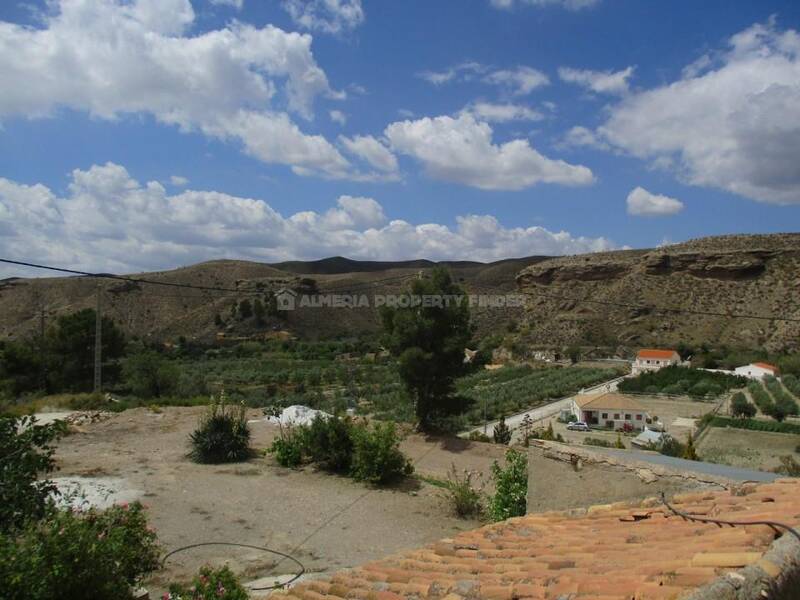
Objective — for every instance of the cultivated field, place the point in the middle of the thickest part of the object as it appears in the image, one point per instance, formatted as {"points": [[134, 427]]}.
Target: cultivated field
{"points": [[749, 449]]}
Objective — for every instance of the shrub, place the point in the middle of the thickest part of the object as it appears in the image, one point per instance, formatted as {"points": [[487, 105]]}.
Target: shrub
{"points": [[619, 443], [501, 433], [511, 487], [223, 435], [740, 407], [210, 584], [376, 455], [547, 434], [590, 441], [72, 555], [671, 447], [463, 497], [689, 453], [329, 442], [789, 466], [478, 436], [288, 449], [26, 453]]}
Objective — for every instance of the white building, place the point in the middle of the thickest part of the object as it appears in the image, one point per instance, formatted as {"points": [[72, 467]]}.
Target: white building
{"points": [[610, 410], [649, 359], [757, 370]]}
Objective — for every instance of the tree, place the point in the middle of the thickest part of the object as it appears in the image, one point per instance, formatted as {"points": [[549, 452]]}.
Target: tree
{"points": [[150, 375], [218, 320], [502, 434], [574, 354], [245, 309], [259, 311], [741, 408], [21, 364], [70, 351], [428, 337], [689, 452], [26, 453]]}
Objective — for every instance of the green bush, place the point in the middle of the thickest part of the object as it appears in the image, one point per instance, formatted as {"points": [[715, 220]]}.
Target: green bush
{"points": [[288, 449], [590, 441], [73, 555], [210, 584], [376, 455], [501, 433], [329, 443], [222, 436], [26, 453], [478, 436], [511, 487], [462, 495]]}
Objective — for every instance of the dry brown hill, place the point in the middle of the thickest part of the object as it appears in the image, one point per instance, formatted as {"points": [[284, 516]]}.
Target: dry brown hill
{"points": [[753, 274], [749, 274], [164, 313]]}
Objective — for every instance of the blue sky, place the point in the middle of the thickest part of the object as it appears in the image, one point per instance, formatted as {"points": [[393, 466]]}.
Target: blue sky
{"points": [[147, 134]]}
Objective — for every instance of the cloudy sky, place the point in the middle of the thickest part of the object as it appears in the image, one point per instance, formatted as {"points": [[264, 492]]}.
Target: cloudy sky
{"points": [[146, 134]]}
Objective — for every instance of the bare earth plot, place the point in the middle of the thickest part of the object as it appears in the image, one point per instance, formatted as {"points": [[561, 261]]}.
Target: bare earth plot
{"points": [[749, 449], [258, 502]]}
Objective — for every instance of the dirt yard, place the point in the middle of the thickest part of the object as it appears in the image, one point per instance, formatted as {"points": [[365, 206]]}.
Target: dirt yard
{"points": [[748, 449], [328, 522]]}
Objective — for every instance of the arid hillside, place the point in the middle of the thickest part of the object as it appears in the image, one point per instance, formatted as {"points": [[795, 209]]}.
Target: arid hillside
{"points": [[165, 313], [580, 299]]}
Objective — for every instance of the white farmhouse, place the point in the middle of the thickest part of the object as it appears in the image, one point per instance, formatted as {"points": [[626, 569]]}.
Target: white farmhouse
{"points": [[757, 370], [649, 359], [610, 410]]}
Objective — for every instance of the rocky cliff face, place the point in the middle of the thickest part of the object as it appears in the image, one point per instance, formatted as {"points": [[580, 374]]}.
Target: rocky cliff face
{"points": [[606, 298]]}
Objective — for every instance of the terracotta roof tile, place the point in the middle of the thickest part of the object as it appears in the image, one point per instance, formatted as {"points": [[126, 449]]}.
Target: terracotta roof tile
{"points": [[655, 353], [631, 550]]}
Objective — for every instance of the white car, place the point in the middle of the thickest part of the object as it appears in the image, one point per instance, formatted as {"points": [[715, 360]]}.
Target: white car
{"points": [[578, 426]]}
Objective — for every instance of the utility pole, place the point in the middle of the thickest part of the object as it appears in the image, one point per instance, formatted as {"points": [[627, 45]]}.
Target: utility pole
{"points": [[43, 366], [98, 346]]}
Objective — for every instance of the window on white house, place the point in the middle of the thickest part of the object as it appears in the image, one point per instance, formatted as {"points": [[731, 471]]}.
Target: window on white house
{"points": [[605, 415], [639, 417], [627, 417], [616, 416]]}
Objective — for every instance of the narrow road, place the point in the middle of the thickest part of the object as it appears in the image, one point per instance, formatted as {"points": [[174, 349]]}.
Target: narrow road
{"points": [[704, 468], [548, 410]]}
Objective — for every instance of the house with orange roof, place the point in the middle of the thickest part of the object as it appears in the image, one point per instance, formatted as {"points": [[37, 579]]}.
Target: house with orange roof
{"points": [[610, 410], [652, 359], [758, 370]]}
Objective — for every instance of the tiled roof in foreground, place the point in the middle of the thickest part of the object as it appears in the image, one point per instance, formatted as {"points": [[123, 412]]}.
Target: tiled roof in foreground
{"points": [[623, 550]]}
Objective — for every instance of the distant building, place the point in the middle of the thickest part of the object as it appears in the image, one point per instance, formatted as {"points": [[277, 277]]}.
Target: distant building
{"points": [[610, 410], [757, 370], [649, 359]]}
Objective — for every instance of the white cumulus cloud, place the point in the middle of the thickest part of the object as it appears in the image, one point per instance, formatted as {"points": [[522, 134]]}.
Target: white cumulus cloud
{"points": [[327, 16], [112, 58], [108, 221], [371, 150], [642, 203], [460, 149], [601, 82], [732, 123]]}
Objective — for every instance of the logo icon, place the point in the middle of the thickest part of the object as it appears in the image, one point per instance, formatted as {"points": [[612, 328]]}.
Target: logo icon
{"points": [[285, 299]]}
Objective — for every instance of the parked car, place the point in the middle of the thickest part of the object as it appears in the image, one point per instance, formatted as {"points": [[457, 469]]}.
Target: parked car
{"points": [[578, 426]]}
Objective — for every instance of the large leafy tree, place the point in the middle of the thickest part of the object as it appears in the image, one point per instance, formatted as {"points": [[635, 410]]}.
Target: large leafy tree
{"points": [[70, 350], [428, 337]]}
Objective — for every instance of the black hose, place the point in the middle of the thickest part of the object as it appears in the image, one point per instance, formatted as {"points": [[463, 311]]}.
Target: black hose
{"points": [[283, 556]]}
